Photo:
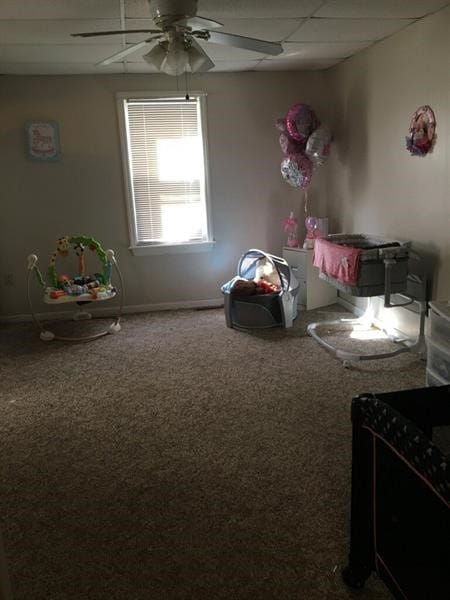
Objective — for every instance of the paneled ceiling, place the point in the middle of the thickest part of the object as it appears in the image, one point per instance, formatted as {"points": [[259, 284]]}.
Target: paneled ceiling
{"points": [[315, 34]]}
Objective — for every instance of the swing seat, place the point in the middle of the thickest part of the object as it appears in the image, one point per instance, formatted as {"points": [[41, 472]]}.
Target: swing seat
{"points": [[82, 298]]}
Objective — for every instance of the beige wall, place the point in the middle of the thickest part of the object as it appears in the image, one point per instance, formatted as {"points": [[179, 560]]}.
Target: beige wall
{"points": [[373, 184], [370, 184], [84, 192]]}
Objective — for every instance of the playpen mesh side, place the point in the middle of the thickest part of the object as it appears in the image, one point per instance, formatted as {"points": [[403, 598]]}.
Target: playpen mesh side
{"points": [[256, 312]]}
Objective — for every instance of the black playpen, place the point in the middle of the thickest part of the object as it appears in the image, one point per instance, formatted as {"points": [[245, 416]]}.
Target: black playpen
{"points": [[400, 507]]}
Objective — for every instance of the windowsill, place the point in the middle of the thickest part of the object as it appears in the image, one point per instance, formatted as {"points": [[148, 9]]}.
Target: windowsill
{"points": [[189, 248]]}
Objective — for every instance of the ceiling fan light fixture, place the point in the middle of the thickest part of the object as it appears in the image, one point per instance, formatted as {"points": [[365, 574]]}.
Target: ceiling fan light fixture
{"points": [[169, 57], [199, 60], [177, 58], [156, 56]]}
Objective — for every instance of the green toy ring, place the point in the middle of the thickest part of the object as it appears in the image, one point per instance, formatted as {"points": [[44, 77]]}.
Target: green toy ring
{"points": [[79, 242]]}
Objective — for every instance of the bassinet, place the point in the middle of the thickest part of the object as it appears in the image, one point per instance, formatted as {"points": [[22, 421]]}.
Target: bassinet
{"points": [[372, 271], [382, 269], [261, 310]]}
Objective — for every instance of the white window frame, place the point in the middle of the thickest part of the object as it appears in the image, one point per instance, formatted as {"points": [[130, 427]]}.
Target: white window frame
{"points": [[140, 248]]}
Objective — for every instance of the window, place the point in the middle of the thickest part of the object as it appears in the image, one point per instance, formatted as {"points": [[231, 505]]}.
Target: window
{"points": [[163, 143]]}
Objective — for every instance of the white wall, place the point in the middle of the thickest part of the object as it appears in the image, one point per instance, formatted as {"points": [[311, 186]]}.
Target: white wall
{"points": [[369, 185], [84, 192], [373, 184]]}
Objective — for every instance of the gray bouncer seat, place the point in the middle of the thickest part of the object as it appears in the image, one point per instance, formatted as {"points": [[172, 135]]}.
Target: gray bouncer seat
{"points": [[261, 310]]}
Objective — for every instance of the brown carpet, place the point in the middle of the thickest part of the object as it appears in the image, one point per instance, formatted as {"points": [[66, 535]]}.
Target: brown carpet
{"points": [[181, 460]]}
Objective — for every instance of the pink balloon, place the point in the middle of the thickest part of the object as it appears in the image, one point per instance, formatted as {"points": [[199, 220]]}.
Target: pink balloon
{"points": [[288, 145], [297, 170], [301, 121], [311, 224]]}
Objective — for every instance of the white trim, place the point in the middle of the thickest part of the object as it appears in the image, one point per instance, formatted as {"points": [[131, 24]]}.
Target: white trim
{"points": [[125, 157], [108, 312], [193, 247], [204, 132], [152, 94]]}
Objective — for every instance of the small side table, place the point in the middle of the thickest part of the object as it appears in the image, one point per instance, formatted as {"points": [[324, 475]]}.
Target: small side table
{"points": [[313, 291]]}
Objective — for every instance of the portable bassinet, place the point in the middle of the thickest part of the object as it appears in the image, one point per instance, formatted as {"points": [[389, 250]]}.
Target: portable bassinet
{"points": [[372, 266], [383, 270], [259, 311]]}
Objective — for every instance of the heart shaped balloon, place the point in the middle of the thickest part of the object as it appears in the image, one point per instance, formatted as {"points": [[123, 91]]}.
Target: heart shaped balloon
{"points": [[297, 170]]}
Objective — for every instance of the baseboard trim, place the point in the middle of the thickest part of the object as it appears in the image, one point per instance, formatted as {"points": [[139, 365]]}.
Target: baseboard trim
{"points": [[111, 312]]}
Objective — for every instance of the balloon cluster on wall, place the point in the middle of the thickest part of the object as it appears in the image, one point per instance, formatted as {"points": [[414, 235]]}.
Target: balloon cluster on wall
{"points": [[305, 144], [421, 135]]}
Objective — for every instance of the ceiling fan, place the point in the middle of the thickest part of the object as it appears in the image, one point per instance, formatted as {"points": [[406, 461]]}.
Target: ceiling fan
{"points": [[177, 50]]}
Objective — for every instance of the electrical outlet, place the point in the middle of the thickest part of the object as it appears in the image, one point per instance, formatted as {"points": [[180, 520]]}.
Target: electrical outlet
{"points": [[8, 279]]}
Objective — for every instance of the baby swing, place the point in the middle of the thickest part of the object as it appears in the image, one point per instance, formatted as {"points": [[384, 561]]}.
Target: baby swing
{"points": [[81, 289]]}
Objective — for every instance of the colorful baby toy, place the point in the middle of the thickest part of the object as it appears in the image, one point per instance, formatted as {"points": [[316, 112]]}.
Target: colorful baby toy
{"points": [[81, 288]]}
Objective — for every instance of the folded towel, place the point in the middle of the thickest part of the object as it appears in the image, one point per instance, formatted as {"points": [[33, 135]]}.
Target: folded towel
{"points": [[335, 260]]}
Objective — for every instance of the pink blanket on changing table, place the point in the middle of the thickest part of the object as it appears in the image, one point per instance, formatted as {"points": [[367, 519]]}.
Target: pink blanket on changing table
{"points": [[335, 260]]}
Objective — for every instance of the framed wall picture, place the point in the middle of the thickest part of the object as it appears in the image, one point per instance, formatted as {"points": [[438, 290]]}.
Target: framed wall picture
{"points": [[43, 141]]}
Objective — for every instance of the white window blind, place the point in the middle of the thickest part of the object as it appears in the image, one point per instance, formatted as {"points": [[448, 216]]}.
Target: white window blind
{"points": [[166, 168]]}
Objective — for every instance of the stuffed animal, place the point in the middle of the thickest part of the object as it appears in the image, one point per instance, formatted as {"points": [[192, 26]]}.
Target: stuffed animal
{"points": [[266, 271], [243, 287]]}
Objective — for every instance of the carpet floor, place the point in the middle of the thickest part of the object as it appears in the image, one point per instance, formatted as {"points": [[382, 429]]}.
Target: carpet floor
{"points": [[181, 460]]}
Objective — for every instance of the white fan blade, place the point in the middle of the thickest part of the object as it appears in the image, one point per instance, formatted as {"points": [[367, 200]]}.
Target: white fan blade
{"points": [[201, 62], [199, 23], [239, 41], [116, 32], [126, 52]]}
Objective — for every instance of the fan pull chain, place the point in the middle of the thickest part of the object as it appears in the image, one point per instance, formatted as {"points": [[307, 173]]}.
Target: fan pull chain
{"points": [[186, 85], [306, 202]]}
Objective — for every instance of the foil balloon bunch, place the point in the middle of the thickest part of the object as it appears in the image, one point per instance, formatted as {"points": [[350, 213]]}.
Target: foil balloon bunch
{"points": [[421, 135], [305, 144]]}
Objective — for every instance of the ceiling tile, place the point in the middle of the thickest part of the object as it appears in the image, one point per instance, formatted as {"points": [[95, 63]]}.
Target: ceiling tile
{"points": [[297, 64], [140, 67], [59, 9], [57, 68], [272, 30], [254, 9], [53, 53], [313, 32], [347, 30], [250, 9], [218, 52], [137, 9], [54, 32], [384, 9], [237, 65], [320, 50], [133, 38]]}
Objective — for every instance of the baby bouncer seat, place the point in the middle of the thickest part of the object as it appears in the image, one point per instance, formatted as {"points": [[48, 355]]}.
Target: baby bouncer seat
{"points": [[80, 289], [262, 294]]}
